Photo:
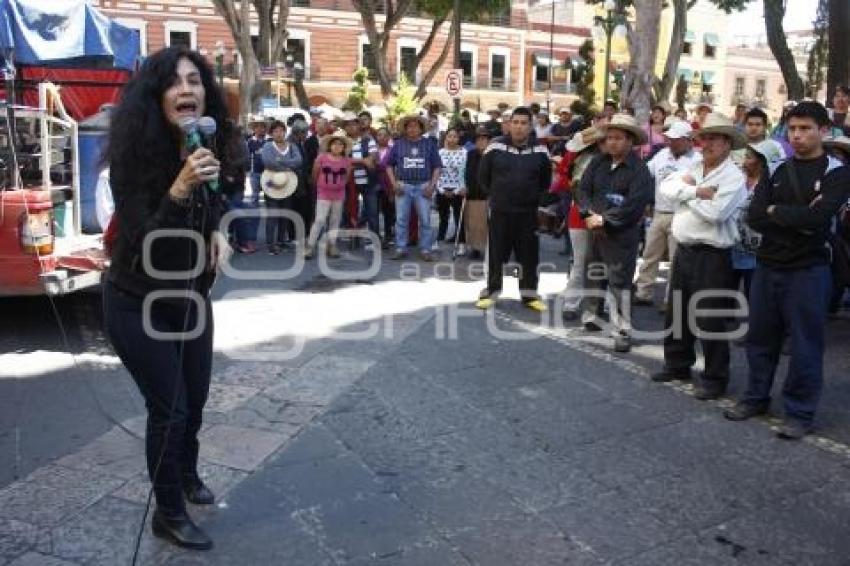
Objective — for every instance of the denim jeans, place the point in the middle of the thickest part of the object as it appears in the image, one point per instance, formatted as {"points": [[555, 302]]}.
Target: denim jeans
{"points": [[369, 212], [255, 188], [794, 303], [243, 228], [413, 193]]}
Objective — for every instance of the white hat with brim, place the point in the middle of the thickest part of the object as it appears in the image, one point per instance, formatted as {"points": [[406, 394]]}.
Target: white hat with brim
{"points": [[627, 123], [349, 117], [719, 124], [405, 120], [584, 139], [325, 141], [840, 142], [279, 184], [679, 129], [256, 119], [705, 105], [771, 150]]}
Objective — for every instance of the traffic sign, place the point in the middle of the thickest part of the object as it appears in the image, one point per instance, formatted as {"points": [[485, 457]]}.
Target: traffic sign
{"points": [[454, 83]]}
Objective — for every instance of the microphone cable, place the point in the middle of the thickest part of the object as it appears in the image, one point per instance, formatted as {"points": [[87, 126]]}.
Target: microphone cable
{"points": [[190, 283]]}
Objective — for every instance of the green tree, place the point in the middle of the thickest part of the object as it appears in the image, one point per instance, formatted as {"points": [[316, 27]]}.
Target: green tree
{"points": [[403, 101], [585, 75], [358, 97], [816, 65]]}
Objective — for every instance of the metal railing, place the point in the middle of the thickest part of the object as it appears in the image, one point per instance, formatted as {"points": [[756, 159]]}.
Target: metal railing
{"points": [[557, 87]]}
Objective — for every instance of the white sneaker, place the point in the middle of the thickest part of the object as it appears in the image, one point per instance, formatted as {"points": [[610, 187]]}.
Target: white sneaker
{"points": [[369, 246], [435, 247], [461, 249]]}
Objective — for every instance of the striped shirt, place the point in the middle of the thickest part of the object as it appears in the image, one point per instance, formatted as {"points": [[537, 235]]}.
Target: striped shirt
{"points": [[361, 175]]}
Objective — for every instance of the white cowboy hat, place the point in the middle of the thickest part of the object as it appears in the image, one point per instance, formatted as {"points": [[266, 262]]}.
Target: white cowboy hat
{"points": [[679, 129], [584, 139], [629, 124], [325, 141], [716, 123], [771, 150], [279, 184]]}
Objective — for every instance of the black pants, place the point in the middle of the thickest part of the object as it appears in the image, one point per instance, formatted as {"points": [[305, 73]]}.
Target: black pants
{"points": [[278, 229], [387, 206], [446, 205], [161, 373], [699, 268], [304, 204], [514, 232], [609, 269]]}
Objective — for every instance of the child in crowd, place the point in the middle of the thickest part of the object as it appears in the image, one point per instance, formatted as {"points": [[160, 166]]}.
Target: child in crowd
{"points": [[451, 188], [332, 171]]}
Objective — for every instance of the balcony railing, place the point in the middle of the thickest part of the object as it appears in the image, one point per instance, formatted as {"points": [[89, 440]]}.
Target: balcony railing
{"points": [[557, 87]]}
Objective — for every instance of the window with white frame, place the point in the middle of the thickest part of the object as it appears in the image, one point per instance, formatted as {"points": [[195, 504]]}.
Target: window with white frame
{"points": [[181, 33], [469, 63], [366, 58], [740, 86], [140, 26], [298, 45], [500, 67], [406, 53]]}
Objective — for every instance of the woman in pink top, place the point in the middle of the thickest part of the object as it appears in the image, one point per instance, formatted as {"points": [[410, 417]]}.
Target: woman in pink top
{"points": [[654, 132], [332, 172]]}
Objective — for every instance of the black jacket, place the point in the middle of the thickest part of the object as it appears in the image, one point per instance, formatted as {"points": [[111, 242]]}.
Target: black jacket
{"points": [[140, 213], [473, 166], [795, 235], [513, 177], [619, 195]]}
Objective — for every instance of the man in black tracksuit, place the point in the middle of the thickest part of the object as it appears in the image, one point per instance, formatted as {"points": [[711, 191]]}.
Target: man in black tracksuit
{"points": [[791, 285], [514, 172]]}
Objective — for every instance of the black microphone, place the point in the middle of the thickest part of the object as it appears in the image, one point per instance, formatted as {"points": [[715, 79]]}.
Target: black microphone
{"points": [[201, 133]]}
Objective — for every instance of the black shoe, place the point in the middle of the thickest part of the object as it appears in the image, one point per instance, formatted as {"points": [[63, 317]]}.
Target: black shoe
{"points": [[709, 392], [743, 411], [197, 493], [180, 530], [592, 327], [570, 315], [666, 375], [622, 344], [792, 429]]}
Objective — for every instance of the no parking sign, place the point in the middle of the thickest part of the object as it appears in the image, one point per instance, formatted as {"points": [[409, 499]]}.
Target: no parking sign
{"points": [[454, 83]]}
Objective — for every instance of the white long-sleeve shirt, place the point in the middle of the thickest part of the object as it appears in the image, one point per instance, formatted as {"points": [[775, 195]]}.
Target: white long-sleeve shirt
{"points": [[703, 221], [665, 164]]}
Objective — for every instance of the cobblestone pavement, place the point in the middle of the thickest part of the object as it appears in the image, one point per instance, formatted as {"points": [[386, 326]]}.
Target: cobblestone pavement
{"points": [[440, 443]]}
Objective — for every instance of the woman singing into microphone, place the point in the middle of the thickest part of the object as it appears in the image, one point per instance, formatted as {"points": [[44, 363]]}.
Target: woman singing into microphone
{"points": [[156, 296]]}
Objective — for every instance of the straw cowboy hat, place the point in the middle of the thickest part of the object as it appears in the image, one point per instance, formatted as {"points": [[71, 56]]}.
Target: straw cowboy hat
{"points": [[628, 124], [841, 142], [405, 120], [584, 139], [719, 124], [256, 119], [325, 141], [279, 184]]}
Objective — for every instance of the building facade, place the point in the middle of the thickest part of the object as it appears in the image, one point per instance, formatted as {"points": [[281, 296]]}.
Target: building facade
{"points": [[505, 62]]}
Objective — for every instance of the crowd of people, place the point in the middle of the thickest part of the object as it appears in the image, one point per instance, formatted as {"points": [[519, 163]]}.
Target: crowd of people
{"points": [[747, 215], [752, 222]]}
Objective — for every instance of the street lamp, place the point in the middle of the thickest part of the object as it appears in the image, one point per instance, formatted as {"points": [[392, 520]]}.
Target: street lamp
{"points": [[290, 64], [219, 61], [279, 67], [612, 24], [551, 56]]}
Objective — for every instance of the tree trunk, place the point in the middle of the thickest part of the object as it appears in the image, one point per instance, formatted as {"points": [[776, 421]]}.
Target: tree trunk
{"points": [[838, 65], [379, 41], [774, 11], [422, 90], [664, 87], [643, 47]]}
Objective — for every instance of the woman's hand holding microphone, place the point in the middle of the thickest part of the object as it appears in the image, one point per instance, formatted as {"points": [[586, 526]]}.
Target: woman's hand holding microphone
{"points": [[200, 167]]}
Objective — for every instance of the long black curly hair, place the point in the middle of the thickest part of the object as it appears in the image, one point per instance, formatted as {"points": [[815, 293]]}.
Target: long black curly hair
{"points": [[143, 148]]}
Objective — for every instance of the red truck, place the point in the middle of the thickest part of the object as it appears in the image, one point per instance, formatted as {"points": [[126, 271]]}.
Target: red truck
{"points": [[43, 249]]}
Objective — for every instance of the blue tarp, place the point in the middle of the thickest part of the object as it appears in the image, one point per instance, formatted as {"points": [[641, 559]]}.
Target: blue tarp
{"points": [[48, 32]]}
